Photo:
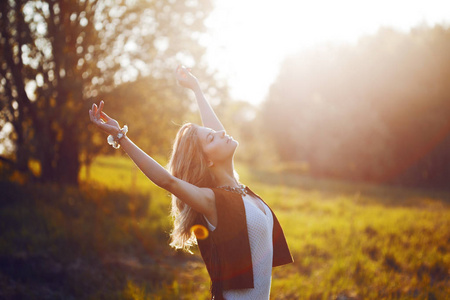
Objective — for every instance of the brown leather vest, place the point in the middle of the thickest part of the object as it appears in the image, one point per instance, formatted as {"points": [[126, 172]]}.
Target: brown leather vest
{"points": [[226, 251]]}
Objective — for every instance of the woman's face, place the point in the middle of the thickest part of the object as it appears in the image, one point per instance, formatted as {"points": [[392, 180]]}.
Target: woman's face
{"points": [[217, 145]]}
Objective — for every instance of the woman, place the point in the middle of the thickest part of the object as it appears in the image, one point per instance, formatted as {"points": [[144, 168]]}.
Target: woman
{"points": [[245, 239]]}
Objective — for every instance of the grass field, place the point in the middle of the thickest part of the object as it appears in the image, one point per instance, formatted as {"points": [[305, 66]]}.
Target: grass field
{"points": [[109, 239]]}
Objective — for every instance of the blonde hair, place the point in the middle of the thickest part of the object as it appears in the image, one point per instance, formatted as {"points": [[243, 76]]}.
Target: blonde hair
{"points": [[188, 163]]}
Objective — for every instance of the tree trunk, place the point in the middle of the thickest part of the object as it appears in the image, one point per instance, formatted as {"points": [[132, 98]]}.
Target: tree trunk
{"points": [[68, 164]]}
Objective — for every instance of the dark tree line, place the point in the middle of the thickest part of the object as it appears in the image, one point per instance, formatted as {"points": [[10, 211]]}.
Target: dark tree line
{"points": [[375, 111], [60, 56]]}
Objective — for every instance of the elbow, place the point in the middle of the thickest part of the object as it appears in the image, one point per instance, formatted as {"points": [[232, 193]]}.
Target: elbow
{"points": [[167, 183]]}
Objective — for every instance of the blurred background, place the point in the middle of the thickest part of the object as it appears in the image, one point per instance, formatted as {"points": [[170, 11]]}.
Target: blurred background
{"points": [[342, 110]]}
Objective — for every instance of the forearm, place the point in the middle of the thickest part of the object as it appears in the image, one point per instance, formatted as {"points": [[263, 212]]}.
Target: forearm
{"points": [[209, 117], [152, 169]]}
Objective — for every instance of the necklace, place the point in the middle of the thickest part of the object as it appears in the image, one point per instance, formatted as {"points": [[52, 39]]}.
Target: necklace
{"points": [[241, 190]]}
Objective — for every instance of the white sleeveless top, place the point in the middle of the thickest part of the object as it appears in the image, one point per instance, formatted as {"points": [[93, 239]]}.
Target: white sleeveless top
{"points": [[259, 227]]}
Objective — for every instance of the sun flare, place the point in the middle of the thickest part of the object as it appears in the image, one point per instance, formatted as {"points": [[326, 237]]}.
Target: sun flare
{"points": [[248, 39]]}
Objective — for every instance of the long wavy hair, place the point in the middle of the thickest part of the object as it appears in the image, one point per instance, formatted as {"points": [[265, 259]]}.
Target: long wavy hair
{"points": [[189, 163]]}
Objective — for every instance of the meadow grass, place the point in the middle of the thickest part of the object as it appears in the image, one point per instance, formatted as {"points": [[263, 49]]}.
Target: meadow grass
{"points": [[109, 239], [349, 240]]}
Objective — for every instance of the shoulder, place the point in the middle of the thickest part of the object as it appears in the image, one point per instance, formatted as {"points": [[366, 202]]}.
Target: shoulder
{"points": [[201, 199], [210, 211], [209, 194]]}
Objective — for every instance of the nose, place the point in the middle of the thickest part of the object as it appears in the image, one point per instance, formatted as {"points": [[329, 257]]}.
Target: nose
{"points": [[221, 133]]}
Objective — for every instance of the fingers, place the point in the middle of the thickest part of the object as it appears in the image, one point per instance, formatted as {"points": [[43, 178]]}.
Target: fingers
{"points": [[91, 115], [93, 118], [99, 110], [105, 117], [96, 113], [180, 68], [182, 71]]}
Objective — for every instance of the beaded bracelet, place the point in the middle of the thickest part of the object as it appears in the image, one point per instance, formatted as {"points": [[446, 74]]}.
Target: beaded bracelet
{"points": [[114, 141]]}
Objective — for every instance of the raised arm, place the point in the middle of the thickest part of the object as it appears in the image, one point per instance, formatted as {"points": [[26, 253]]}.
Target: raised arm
{"points": [[209, 117], [200, 199]]}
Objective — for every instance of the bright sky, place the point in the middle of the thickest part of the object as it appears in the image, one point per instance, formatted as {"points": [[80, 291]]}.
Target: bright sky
{"points": [[249, 38]]}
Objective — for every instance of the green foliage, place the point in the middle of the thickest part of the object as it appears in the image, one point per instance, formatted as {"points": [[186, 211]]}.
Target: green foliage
{"points": [[371, 111], [77, 242], [360, 241], [60, 56], [152, 108], [109, 239]]}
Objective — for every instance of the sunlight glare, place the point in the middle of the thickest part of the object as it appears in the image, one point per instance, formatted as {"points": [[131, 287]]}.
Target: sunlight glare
{"points": [[248, 39]]}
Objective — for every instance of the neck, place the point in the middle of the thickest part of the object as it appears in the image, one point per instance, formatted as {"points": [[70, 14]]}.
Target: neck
{"points": [[224, 176]]}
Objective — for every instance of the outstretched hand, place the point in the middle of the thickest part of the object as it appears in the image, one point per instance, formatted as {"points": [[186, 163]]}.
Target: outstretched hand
{"points": [[102, 120], [185, 78]]}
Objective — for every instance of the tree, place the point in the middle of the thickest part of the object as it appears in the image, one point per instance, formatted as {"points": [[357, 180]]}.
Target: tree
{"points": [[60, 56], [373, 111]]}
